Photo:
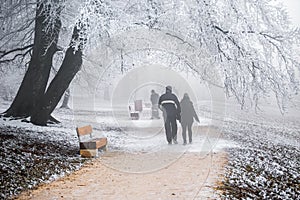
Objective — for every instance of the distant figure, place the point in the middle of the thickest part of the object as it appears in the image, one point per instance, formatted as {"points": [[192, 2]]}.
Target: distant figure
{"points": [[188, 114], [154, 101], [170, 106]]}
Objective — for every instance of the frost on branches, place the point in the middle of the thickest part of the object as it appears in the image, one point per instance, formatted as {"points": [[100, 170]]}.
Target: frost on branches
{"points": [[250, 42], [253, 46]]}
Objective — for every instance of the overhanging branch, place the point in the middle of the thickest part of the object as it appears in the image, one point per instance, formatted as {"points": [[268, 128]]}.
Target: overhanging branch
{"points": [[16, 55], [4, 53]]}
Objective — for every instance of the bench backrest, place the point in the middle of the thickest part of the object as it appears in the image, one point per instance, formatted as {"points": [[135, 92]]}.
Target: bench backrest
{"points": [[85, 130]]}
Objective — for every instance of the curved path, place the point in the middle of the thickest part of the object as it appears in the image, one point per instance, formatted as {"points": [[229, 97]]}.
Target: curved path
{"points": [[192, 176]]}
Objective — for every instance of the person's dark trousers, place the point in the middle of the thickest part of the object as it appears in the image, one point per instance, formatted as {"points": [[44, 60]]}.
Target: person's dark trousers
{"points": [[171, 128], [189, 126]]}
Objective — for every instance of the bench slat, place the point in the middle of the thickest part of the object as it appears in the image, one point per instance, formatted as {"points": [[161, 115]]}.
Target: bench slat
{"points": [[95, 143], [84, 130]]}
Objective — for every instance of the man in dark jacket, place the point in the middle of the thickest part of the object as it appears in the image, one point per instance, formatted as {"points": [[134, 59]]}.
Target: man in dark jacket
{"points": [[170, 106], [188, 114]]}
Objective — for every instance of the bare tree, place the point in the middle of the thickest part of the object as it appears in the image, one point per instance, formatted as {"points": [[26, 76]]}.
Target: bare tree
{"points": [[34, 98], [44, 46]]}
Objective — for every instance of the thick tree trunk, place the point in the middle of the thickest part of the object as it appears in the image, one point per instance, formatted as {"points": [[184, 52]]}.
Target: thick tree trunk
{"points": [[70, 66], [35, 80]]}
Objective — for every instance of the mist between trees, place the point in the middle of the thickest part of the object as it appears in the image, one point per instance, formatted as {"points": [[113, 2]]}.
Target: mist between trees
{"points": [[251, 45]]}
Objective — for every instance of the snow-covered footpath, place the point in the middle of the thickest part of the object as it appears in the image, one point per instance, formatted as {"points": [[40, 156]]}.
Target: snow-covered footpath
{"points": [[263, 162]]}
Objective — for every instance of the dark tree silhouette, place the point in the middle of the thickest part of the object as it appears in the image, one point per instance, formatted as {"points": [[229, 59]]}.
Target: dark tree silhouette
{"points": [[70, 66], [35, 80], [34, 99]]}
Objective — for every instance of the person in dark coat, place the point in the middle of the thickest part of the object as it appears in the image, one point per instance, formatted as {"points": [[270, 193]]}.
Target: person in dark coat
{"points": [[154, 101], [188, 114], [170, 106]]}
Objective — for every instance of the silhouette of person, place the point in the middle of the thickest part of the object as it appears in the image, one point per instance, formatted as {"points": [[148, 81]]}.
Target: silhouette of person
{"points": [[170, 106], [188, 114], [154, 101]]}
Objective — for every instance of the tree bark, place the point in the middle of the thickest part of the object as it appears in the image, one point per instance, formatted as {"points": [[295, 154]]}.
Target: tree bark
{"points": [[70, 66], [36, 77]]}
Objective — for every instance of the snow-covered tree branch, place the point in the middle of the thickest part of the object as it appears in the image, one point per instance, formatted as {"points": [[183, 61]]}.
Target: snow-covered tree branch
{"points": [[250, 42]]}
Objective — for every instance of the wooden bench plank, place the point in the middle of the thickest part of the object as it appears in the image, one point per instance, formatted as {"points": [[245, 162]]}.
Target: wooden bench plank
{"points": [[95, 143], [101, 143], [84, 130], [134, 115]]}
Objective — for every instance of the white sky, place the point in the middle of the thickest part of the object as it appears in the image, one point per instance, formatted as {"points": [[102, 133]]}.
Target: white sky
{"points": [[293, 8]]}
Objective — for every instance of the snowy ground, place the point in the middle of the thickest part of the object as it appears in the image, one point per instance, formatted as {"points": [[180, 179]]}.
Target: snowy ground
{"points": [[263, 149], [31, 155], [266, 164]]}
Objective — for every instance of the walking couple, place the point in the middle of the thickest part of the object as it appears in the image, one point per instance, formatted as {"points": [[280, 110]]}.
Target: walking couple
{"points": [[173, 110]]}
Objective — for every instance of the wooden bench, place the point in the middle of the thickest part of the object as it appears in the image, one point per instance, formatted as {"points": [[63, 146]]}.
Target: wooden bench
{"points": [[134, 115], [89, 147]]}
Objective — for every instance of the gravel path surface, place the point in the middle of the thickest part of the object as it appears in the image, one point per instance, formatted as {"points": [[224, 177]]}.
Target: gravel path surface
{"points": [[192, 176]]}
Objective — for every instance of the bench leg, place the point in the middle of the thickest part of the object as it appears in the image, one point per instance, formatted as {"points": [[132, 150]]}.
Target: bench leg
{"points": [[104, 148]]}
